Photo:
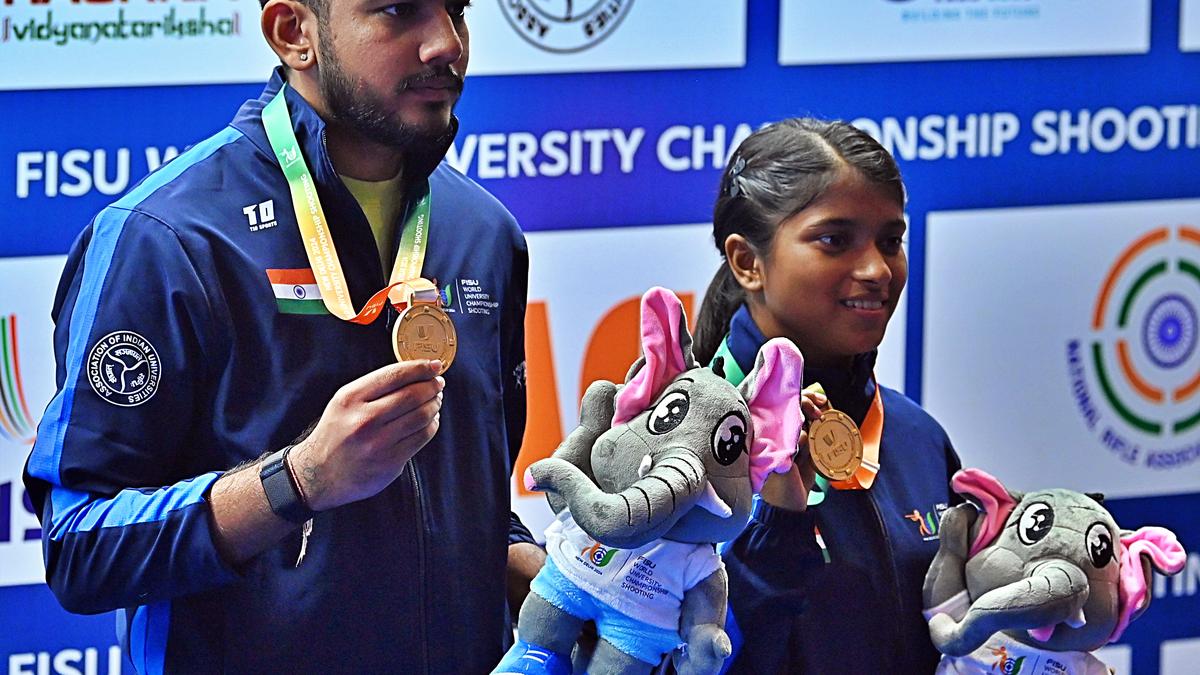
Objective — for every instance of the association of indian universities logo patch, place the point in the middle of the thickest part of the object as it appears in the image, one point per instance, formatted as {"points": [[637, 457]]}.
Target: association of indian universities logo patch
{"points": [[564, 26], [123, 368], [1135, 376], [16, 423]]}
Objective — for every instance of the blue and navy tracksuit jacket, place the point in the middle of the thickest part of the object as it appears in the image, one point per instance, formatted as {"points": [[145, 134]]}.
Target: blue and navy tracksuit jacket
{"points": [[176, 362], [861, 612]]}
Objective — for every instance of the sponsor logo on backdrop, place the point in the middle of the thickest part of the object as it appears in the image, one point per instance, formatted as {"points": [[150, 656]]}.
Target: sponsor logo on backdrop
{"points": [[564, 25], [971, 10], [1135, 375], [77, 43], [897, 30], [17, 424], [522, 37], [107, 23], [88, 660]]}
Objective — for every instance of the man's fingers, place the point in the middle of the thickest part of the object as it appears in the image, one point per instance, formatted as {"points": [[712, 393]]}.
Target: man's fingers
{"points": [[379, 383], [394, 404], [413, 420]]}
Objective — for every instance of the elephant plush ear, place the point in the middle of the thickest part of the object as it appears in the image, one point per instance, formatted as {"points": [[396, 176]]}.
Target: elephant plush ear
{"points": [[1141, 552], [772, 392], [986, 492], [666, 352]]}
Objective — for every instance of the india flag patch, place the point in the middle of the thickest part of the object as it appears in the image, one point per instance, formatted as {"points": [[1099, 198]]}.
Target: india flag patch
{"points": [[296, 292]]}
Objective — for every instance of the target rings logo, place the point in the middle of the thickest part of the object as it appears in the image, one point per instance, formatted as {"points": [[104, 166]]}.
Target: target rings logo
{"points": [[123, 368], [564, 26], [1136, 377]]}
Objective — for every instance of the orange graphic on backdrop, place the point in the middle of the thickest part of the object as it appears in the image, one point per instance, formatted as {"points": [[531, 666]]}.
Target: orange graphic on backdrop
{"points": [[612, 348]]}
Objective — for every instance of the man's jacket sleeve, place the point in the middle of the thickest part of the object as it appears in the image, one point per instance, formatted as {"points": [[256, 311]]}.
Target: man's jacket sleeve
{"points": [[120, 491], [513, 375]]}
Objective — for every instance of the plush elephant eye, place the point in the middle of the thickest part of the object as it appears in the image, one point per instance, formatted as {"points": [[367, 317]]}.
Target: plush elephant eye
{"points": [[1099, 544], [669, 412], [729, 439], [1035, 523]]}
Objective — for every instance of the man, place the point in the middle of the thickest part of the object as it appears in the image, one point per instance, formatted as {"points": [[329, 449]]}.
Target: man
{"points": [[198, 330]]}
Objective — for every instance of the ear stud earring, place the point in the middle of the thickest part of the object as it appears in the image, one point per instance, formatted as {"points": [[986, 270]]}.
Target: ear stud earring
{"points": [[303, 56]]}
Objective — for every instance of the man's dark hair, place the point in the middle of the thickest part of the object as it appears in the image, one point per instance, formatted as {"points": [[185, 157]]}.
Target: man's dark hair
{"points": [[319, 7]]}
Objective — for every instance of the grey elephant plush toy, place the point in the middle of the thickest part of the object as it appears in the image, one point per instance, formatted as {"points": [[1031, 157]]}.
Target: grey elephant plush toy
{"points": [[1032, 583], [659, 470]]}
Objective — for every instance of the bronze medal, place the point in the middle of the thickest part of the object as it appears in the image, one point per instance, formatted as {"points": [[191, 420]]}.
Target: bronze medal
{"points": [[424, 331], [835, 445]]}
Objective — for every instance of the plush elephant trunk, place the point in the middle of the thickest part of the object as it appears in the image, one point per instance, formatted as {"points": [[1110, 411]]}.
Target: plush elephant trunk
{"points": [[640, 513], [1052, 591]]}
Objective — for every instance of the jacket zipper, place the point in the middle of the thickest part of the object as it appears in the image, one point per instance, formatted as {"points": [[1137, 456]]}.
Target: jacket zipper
{"points": [[887, 547], [420, 529]]}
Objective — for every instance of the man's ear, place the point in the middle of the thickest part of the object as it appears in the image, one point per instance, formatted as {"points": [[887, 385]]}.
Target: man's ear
{"points": [[745, 264], [290, 28]]}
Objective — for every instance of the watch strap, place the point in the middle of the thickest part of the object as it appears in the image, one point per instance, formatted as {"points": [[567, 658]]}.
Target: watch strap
{"points": [[283, 494]]}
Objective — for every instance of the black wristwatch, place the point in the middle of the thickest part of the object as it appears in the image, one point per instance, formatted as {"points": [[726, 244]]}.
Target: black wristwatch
{"points": [[282, 492]]}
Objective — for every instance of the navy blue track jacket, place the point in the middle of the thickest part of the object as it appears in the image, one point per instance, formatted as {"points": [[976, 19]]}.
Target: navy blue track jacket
{"points": [[176, 361], [861, 612]]}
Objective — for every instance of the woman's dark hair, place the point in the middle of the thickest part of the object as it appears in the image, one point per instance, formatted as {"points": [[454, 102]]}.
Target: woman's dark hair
{"points": [[774, 174]]}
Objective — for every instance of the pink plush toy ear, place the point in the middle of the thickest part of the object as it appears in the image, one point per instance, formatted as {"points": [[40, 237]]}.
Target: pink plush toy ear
{"points": [[774, 402], [1162, 550], [666, 352], [991, 496]]}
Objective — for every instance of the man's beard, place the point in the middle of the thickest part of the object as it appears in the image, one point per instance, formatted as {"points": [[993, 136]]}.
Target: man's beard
{"points": [[364, 113]]}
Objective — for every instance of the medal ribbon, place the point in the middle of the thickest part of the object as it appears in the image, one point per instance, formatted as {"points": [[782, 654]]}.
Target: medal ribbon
{"points": [[871, 432], [318, 241]]}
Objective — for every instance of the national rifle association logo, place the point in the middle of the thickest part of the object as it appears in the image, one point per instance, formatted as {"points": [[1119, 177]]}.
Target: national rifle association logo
{"points": [[1136, 376], [565, 26], [123, 368], [16, 422]]}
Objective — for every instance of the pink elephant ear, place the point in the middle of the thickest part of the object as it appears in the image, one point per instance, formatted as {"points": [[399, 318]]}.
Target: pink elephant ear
{"points": [[772, 392], [666, 352], [1162, 550], [990, 495]]}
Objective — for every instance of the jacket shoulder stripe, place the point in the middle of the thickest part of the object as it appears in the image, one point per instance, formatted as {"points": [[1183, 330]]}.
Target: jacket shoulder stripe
{"points": [[47, 450], [173, 169], [46, 457], [76, 511]]}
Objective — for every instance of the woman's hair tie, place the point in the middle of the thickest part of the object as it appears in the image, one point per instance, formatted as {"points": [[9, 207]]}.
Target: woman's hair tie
{"points": [[734, 189]]}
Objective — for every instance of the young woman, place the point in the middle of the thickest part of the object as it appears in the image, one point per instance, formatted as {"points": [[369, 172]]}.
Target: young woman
{"points": [[810, 221]]}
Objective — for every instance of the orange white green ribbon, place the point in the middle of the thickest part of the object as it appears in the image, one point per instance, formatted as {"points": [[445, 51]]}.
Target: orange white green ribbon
{"points": [[330, 279]]}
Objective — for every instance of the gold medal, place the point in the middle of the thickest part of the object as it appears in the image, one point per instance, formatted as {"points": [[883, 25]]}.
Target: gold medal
{"points": [[424, 331], [835, 445]]}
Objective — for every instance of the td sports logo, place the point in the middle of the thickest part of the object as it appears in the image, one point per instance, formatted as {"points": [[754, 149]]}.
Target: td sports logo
{"points": [[1135, 376], [564, 26]]}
